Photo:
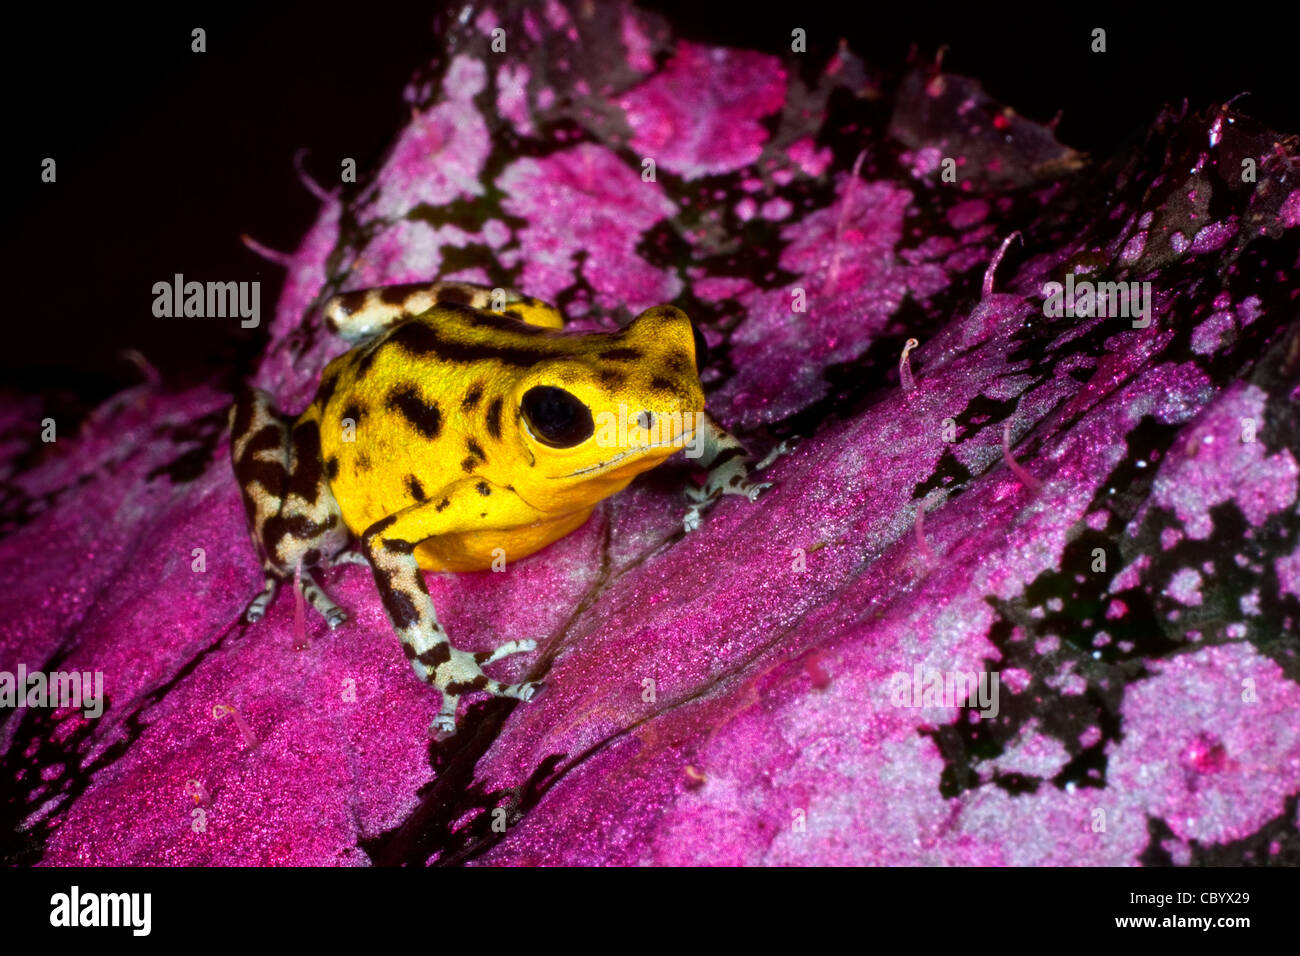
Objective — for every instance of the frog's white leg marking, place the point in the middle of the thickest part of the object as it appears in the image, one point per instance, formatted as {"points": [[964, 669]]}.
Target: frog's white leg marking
{"points": [[361, 315], [350, 557], [728, 464], [390, 543], [292, 515]]}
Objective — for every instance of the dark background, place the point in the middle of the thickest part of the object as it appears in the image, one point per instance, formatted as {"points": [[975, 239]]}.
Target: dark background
{"points": [[165, 156]]}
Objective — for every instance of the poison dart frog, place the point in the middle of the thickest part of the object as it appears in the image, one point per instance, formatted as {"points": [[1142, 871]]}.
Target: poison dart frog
{"points": [[465, 425]]}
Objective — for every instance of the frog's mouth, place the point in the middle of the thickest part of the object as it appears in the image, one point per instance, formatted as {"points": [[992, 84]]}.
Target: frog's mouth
{"points": [[681, 441]]}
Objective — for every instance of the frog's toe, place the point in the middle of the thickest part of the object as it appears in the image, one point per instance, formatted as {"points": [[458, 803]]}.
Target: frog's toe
{"points": [[442, 727], [256, 609], [784, 448], [336, 618], [753, 491], [525, 691], [530, 690], [505, 650], [691, 520]]}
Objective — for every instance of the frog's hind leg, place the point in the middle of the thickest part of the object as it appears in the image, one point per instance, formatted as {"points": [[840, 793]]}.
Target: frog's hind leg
{"points": [[292, 516], [309, 532], [259, 452], [361, 315], [259, 441]]}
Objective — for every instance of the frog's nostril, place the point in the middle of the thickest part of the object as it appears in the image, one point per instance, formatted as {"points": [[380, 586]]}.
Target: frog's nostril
{"points": [[646, 420]]}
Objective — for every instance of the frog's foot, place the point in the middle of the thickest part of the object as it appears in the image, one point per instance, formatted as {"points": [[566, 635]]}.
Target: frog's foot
{"points": [[256, 609], [313, 592], [729, 472], [350, 557], [726, 484], [317, 598], [461, 673], [444, 725]]}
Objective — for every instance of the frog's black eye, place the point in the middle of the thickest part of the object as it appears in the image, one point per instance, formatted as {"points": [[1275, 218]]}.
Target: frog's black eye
{"points": [[557, 418], [701, 350]]}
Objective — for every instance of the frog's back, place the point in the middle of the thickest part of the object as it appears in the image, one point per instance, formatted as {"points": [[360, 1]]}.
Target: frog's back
{"points": [[424, 404]]}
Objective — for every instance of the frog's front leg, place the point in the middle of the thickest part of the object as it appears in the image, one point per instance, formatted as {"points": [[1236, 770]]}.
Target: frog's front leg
{"points": [[390, 544], [728, 469]]}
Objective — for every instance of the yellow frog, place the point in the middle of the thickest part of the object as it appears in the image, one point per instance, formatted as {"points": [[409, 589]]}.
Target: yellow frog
{"points": [[465, 426]]}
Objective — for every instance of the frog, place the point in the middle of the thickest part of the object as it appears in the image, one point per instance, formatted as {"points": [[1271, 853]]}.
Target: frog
{"points": [[465, 425]]}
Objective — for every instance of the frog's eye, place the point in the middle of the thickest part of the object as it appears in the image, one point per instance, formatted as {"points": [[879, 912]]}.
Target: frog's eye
{"points": [[701, 350], [556, 417]]}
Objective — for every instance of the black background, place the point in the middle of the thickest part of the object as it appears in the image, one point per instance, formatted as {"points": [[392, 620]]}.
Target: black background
{"points": [[354, 909], [166, 157]]}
